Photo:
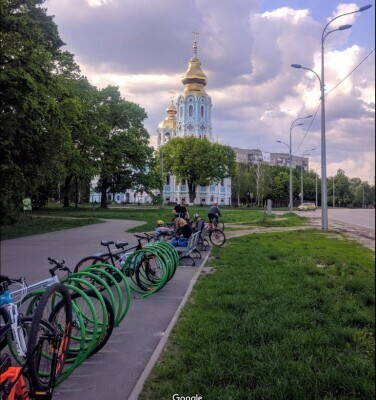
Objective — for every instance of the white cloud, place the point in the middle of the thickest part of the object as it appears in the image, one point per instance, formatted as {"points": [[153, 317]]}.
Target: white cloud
{"points": [[98, 3], [246, 55]]}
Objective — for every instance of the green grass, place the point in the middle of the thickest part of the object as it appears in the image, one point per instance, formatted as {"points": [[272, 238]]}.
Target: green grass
{"points": [[33, 225], [151, 214], [274, 325]]}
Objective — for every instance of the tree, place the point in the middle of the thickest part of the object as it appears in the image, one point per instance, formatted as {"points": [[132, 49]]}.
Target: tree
{"points": [[242, 184], [124, 152], [79, 104], [33, 134], [197, 161]]}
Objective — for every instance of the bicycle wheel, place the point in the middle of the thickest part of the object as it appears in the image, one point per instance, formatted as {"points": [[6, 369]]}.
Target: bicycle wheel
{"points": [[49, 359], [4, 322], [217, 237], [106, 321], [88, 262]]}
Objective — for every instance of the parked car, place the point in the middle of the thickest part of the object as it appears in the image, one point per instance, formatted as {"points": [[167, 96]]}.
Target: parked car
{"points": [[307, 207]]}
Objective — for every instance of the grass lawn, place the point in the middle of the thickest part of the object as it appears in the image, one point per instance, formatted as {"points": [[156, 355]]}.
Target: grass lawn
{"points": [[291, 318], [32, 225], [151, 214]]}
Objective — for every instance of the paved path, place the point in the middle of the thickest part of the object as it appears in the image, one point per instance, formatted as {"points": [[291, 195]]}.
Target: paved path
{"points": [[114, 371], [358, 217]]}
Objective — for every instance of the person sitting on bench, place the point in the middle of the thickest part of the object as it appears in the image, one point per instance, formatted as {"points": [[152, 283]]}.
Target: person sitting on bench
{"points": [[183, 233]]}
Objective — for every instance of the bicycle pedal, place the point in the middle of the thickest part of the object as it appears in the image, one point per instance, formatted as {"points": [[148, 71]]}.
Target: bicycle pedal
{"points": [[41, 395]]}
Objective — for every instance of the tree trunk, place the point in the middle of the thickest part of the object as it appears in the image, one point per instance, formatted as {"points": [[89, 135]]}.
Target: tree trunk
{"points": [[192, 192], [76, 191], [66, 189], [104, 188]]}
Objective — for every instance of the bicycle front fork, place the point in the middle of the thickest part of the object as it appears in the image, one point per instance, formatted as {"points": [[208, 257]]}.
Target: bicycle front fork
{"points": [[17, 331]]}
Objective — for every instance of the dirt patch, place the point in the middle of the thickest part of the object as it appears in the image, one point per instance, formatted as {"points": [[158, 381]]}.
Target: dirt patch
{"points": [[238, 233]]}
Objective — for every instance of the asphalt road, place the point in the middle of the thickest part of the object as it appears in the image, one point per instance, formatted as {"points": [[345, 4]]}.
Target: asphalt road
{"points": [[114, 371], [364, 218]]}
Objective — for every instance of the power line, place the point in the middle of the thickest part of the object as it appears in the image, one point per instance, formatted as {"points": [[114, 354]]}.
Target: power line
{"points": [[329, 91], [364, 59], [308, 129]]}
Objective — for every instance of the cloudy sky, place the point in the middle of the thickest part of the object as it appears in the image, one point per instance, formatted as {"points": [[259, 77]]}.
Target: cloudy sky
{"points": [[246, 48]]}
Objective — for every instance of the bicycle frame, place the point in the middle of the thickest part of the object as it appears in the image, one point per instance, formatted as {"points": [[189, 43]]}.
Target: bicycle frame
{"points": [[14, 317]]}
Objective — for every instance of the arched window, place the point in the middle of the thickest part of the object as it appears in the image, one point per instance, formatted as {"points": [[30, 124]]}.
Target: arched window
{"points": [[202, 111], [181, 112], [190, 111]]}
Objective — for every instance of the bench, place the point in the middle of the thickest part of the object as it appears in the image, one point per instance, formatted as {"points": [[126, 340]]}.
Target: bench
{"points": [[185, 252]]}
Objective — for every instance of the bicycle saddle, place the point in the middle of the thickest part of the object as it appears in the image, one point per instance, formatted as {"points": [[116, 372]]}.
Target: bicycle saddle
{"points": [[103, 243], [120, 245]]}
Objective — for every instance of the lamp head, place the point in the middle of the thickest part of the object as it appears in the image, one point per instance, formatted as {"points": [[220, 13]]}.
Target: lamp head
{"points": [[296, 65], [365, 7], [300, 124], [343, 27], [308, 116]]}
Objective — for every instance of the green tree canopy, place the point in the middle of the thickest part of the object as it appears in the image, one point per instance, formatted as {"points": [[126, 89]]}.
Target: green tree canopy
{"points": [[197, 161], [32, 131], [125, 156]]}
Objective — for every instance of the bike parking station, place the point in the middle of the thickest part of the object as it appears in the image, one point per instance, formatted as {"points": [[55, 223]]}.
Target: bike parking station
{"points": [[100, 297]]}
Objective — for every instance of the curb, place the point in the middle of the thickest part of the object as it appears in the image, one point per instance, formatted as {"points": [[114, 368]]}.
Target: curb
{"points": [[137, 389]]}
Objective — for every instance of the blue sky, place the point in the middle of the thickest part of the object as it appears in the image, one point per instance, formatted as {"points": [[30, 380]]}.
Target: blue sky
{"points": [[362, 34], [246, 48]]}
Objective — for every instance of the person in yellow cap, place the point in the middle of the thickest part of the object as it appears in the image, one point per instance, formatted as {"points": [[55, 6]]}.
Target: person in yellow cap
{"points": [[161, 230]]}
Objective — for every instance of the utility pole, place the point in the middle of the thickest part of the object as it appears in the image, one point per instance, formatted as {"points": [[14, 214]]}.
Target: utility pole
{"points": [[324, 35], [301, 185], [289, 146], [334, 201], [363, 196]]}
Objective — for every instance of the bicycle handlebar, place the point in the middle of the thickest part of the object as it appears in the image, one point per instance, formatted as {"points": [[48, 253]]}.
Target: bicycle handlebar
{"points": [[58, 266]]}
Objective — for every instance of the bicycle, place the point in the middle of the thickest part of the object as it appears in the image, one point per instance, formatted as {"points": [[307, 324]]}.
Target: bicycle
{"points": [[216, 236], [149, 265], [22, 334]]}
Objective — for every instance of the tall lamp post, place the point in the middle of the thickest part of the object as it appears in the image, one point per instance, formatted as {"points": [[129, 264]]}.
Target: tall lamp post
{"points": [[293, 125], [324, 35]]}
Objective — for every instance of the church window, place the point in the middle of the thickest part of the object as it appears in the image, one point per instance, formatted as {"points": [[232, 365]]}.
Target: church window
{"points": [[190, 110], [181, 112], [202, 111]]}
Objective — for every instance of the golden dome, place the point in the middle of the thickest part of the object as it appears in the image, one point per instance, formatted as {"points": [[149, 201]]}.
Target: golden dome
{"points": [[170, 121], [194, 78]]}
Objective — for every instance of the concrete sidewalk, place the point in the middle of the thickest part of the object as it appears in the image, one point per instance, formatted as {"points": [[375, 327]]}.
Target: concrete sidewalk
{"points": [[115, 370]]}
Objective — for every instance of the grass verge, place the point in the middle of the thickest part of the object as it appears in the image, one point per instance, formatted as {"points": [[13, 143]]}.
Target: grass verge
{"points": [[291, 318], [151, 214], [27, 226]]}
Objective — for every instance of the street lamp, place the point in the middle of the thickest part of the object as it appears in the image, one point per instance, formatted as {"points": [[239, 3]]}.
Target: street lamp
{"points": [[324, 35], [293, 125]]}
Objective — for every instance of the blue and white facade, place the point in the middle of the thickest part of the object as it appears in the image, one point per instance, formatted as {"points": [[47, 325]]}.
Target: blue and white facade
{"points": [[191, 116]]}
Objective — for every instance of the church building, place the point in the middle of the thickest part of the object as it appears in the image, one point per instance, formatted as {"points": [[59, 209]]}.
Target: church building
{"points": [[191, 116]]}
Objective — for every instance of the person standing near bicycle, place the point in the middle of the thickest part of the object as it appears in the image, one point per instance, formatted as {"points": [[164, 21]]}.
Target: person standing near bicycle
{"points": [[214, 213], [180, 211]]}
